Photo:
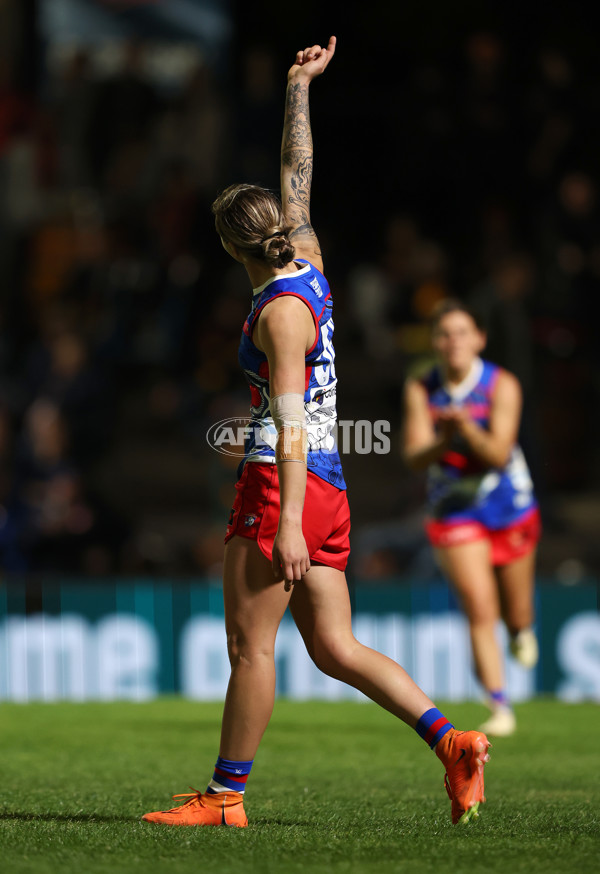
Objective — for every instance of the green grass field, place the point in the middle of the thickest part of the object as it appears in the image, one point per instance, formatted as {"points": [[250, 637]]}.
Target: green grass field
{"points": [[336, 787]]}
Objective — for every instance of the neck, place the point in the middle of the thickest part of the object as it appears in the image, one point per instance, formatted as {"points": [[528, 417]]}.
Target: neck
{"points": [[259, 274], [454, 375]]}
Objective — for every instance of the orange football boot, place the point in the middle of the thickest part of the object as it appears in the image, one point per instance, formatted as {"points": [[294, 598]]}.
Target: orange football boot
{"points": [[463, 754], [220, 808]]}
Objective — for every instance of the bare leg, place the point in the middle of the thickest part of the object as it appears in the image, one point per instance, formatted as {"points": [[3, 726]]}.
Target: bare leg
{"points": [[467, 567], [516, 584], [254, 606], [320, 606]]}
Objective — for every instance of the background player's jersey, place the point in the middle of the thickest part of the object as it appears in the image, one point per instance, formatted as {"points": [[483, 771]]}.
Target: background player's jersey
{"points": [[459, 487], [320, 380]]}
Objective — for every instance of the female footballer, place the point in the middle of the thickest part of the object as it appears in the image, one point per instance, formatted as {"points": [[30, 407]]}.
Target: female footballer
{"points": [[461, 423], [287, 541]]}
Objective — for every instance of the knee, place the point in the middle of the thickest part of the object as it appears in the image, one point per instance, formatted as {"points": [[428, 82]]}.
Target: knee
{"points": [[480, 608], [235, 646], [334, 657], [243, 650], [481, 615]]}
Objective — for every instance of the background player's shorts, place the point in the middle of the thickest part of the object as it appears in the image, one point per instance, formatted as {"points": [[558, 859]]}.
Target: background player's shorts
{"points": [[325, 518], [507, 544]]}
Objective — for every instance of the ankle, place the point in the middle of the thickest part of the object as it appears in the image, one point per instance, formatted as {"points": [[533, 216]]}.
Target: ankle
{"points": [[443, 745], [433, 726], [498, 699], [223, 799]]}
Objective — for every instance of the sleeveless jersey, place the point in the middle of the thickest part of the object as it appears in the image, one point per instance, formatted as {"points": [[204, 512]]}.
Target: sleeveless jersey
{"points": [[312, 288], [459, 487]]}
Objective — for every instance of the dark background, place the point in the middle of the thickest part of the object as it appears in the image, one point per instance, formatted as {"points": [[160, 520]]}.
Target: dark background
{"points": [[456, 153]]}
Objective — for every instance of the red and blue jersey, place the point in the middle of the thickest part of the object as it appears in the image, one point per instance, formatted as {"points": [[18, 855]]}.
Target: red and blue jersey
{"points": [[308, 284], [459, 487]]}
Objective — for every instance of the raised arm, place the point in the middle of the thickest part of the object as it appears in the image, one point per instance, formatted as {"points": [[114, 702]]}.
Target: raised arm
{"points": [[297, 150]]}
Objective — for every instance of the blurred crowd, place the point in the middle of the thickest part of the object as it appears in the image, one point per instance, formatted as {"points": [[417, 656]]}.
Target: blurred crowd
{"points": [[120, 314]]}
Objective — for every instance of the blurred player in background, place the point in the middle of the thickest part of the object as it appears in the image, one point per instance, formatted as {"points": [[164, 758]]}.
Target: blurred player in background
{"points": [[461, 425], [287, 541]]}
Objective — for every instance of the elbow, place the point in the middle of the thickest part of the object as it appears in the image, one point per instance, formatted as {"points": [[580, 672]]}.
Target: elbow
{"points": [[504, 459], [500, 457]]}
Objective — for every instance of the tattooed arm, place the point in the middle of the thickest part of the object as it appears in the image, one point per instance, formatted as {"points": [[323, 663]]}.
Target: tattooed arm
{"points": [[297, 150]]}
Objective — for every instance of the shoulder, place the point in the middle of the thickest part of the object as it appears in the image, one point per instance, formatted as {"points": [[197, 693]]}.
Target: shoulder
{"points": [[424, 383], [283, 308], [285, 322], [415, 392], [427, 382], [491, 373], [505, 386]]}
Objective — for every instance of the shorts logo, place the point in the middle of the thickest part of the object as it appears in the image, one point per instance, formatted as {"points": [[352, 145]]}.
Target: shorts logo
{"points": [[249, 520]]}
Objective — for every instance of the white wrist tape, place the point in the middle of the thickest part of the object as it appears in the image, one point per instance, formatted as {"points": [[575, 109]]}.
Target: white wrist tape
{"points": [[289, 416]]}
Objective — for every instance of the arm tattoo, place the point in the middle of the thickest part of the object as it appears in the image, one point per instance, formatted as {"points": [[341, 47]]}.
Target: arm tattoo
{"points": [[306, 230], [297, 160], [296, 131]]}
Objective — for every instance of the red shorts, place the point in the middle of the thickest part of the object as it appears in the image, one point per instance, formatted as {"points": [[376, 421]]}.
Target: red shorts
{"points": [[506, 544], [325, 518]]}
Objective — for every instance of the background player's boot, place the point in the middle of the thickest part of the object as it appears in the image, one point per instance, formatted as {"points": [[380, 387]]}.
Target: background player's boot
{"points": [[220, 808], [500, 723], [524, 647], [464, 754]]}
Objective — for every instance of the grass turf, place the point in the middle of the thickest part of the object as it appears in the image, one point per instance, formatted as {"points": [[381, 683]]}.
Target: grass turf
{"points": [[337, 787]]}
